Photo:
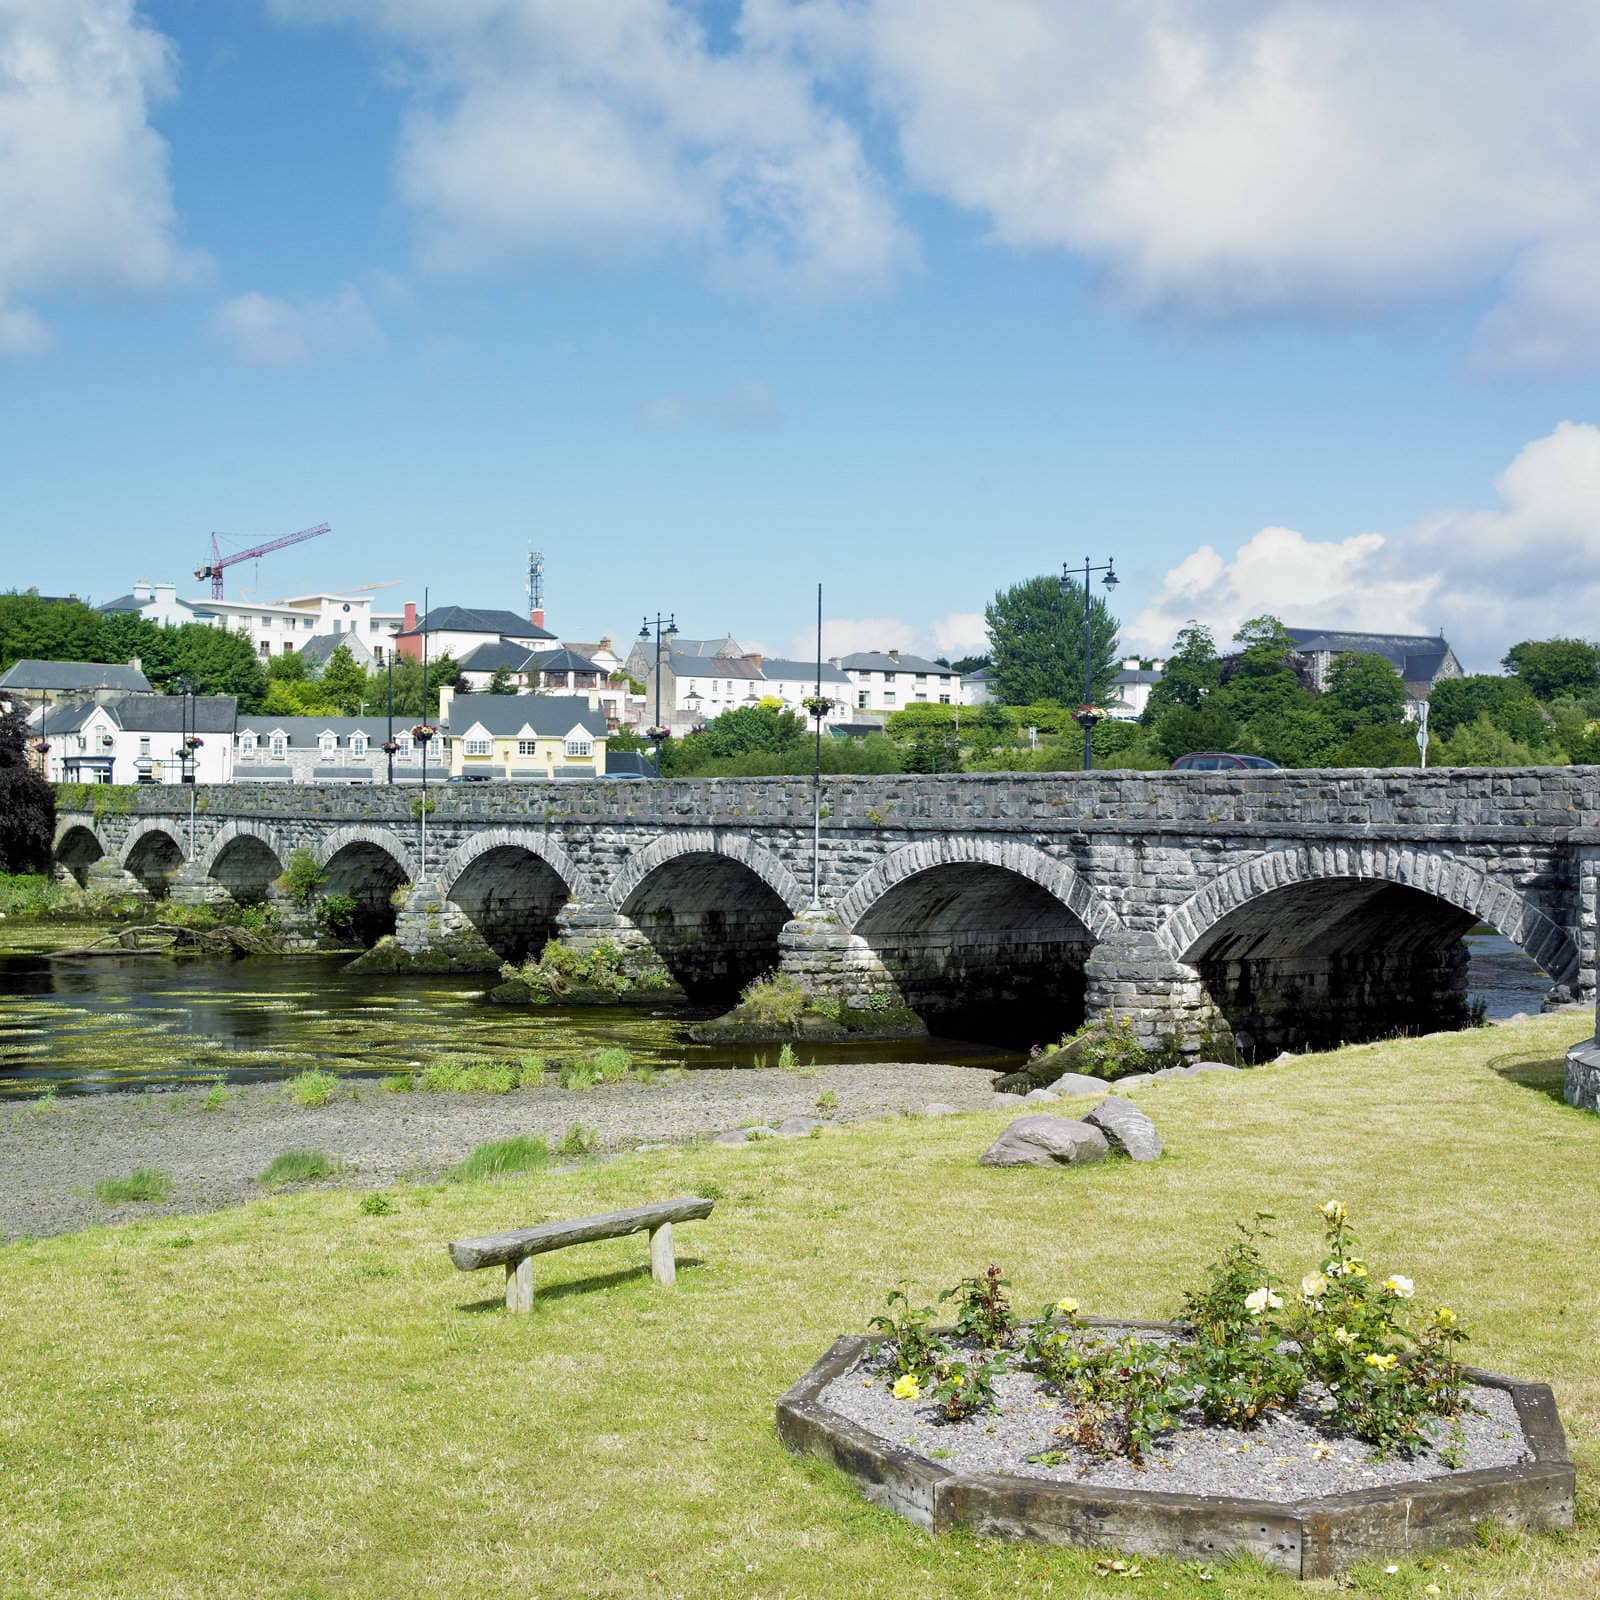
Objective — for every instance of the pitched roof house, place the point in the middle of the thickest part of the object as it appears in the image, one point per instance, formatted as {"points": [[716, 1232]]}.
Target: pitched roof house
{"points": [[1420, 659]]}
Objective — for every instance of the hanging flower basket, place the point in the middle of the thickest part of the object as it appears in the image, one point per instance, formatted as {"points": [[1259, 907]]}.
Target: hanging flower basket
{"points": [[390, 746], [423, 732], [819, 705], [1088, 716], [42, 746], [193, 742], [656, 735]]}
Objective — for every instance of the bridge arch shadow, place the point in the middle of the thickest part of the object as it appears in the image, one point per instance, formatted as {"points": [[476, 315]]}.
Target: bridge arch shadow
{"points": [[984, 939], [245, 862], [367, 865], [511, 884], [712, 906], [77, 850], [1313, 947], [153, 856]]}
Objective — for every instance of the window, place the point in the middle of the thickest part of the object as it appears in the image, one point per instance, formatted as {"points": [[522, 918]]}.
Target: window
{"points": [[327, 743], [358, 744], [277, 747], [477, 747], [580, 748], [247, 745], [944, 699], [922, 677], [527, 747], [888, 697], [288, 647], [888, 677], [144, 744], [861, 700], [266, 647]]}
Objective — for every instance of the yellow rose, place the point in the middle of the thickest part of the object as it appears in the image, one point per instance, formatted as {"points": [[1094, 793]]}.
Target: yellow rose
{"points": [[1334, 1211], [1262, 1299], [1313, 1286], [1067, 1307], [1344, 1337], [1445, 1317], [1382, 1363], [907, 1388], [1400, 1288]]}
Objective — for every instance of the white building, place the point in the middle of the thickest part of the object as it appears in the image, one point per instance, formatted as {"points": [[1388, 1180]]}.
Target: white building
{"points": [[795, 682], [1130, 689], [977, 688], [328, 750], [891, 680], [155, 602], [139, 738], [284, 626], [457, 631]]}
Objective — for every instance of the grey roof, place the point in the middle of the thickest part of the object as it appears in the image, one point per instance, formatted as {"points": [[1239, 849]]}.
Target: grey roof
{"points": [[693, 666], [878, 661], [320, 646], [699, 647], [566, 660], [325, 774], [473, 619], [67, 677], [630, 761], [302, 732], [1138, 675], [151, 713], [132, 602], [493, 654], [263, 774], [778, 667], [504, 715], [1417, 657]]}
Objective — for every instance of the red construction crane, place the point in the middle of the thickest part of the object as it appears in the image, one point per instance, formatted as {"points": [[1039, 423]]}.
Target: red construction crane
{"points": [[213, 569]]}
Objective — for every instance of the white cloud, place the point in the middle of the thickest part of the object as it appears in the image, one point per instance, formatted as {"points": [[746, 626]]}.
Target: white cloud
{"points": [[266, 332], [85, 205], [616, 130], [748, 407], [957, 634], [1528, 568]]}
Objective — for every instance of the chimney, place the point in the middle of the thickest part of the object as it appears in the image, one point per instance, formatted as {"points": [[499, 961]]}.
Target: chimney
{"points": [[410, 618], [1131, 664], [141, 589], [894, 656], [447, 693], [754, 658], [136, 663], [536, 616], [836, 661]]}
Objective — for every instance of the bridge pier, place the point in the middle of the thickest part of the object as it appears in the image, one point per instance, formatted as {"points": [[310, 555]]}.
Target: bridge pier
{"points": [[431, 934], [108, 876], [1170, 1008]]}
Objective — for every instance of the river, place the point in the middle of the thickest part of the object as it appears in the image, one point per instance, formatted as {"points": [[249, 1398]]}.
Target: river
{"points": [[87, 1026]]}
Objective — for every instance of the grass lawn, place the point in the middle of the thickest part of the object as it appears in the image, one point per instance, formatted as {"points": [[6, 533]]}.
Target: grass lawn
{"points": [[300, 1399]]}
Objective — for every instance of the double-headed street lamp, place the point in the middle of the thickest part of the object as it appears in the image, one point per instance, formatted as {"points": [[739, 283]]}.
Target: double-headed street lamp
{"points": [[1086, 717], [666, 628]]}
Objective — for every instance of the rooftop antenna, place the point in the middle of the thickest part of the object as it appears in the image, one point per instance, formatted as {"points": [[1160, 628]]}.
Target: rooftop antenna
{"points": [[536, 588]]}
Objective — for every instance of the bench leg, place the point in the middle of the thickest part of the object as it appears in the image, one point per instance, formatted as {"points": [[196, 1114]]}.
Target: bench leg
{"points": [[662, 1266], [519, 1285]]}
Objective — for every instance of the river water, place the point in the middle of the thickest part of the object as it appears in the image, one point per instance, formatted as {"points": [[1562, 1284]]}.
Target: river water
{"points": [[87, 1026]]}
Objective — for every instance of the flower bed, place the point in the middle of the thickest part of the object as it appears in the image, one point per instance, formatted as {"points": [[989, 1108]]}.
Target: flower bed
{"points": [[1314, 1428]]}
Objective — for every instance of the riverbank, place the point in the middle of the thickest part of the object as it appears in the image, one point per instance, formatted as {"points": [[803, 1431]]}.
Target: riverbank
{"points": [[53, 1153]]}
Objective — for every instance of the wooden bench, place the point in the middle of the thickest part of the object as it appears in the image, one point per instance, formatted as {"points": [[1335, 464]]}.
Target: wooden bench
{"points": [[515, 1251]]}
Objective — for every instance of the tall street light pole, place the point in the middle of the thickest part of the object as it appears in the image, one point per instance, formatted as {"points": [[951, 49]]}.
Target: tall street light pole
{"points": [[666, 628], [1069, 579]]}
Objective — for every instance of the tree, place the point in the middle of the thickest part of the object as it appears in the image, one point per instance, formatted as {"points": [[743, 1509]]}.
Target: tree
{"points": [[1183, 730], [27, 802], [34, 629], [1507, 702], [1266, 677], [1380, 747], [500, 682], [1364, 691], [1036, 629], [1552, 667], [287, 668], [747, 728], [1294, 736], [1481, 744], [965, 664], [1191, 672], [343, 681]]}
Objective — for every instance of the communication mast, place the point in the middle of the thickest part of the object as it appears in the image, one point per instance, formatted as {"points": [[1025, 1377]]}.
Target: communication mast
{"points": [[536, 588]]}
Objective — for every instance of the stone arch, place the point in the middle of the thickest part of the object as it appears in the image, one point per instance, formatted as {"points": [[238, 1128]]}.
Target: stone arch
{"points": [[245, 859], [709, 842], [1431, 872], [512, 884], [536, 841], [152, 854], [983, 938], [1013, 855], [366, 864], [711, 904], [77, 848], [384, 839], [1312, 946]]}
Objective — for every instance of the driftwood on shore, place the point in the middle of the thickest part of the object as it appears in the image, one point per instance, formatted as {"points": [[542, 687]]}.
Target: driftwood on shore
{"points": [[159, 938]]}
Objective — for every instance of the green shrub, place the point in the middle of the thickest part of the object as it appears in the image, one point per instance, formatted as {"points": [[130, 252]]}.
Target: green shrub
{"points": [[478, 1075], [500, 1158], [301, 877], [579, 1074], [612, 1064], [376, 1204], [399, 1083], [311, 1088], [561, 970], [1113, 1050], [778, 1000], [149, 1185], [578, 1140], [299, 1166], [336, 915], [217, 1097]]}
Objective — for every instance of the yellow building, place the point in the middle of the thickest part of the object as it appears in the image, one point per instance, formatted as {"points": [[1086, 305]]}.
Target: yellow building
{"points": [[521, 736]]}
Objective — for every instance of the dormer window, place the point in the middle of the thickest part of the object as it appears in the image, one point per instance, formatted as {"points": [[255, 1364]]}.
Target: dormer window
{"points": [[477, 747], [327, 742], [247, 745], [279, 747], [579, 746], [358, 744]]}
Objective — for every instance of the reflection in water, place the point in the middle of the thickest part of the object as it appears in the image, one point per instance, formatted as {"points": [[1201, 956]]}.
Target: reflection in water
{"points": [[84, 1026]]}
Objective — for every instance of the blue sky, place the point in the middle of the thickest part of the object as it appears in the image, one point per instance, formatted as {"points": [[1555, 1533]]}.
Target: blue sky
{"points": [[1287, 309]]}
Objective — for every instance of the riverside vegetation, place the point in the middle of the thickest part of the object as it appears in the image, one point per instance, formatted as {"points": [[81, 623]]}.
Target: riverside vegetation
{"points": [[318, 1343]]}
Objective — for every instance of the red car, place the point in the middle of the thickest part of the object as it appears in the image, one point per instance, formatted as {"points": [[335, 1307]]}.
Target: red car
{"points": [[1222, 761]]}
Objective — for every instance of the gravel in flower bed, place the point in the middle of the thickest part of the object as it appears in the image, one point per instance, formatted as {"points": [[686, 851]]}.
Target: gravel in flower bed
{"points": [[1287, 1456]]}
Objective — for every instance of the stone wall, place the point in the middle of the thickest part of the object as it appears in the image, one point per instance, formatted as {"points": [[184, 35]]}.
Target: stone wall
{"points": [[1192, 902]]}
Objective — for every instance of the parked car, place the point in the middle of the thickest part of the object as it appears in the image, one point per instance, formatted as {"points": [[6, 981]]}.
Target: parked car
{"points": [[1222, 761]]}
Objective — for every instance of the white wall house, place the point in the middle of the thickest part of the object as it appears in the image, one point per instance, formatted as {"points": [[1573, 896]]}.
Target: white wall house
{"points": [[1130, 689], [794, 682], [139, 738], [891, 680], [155, 602], [285, 626], [457, 631]]}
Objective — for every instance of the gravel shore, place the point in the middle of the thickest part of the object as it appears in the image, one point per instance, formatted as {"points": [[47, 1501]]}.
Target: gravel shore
{"points": [[51, 1159]]}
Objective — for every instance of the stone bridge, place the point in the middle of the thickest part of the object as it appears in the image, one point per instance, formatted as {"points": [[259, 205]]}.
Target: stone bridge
{"points": [[1291, 908]]}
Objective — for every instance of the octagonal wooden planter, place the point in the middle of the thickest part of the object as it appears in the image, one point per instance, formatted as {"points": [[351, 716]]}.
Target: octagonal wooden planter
{"points": [[1309, 1538]]}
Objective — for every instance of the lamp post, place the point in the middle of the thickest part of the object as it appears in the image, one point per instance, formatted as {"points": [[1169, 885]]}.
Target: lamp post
{"points": [[388, 740], [819, 705], [185, 754], [1085, 717], [666, 628]]}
